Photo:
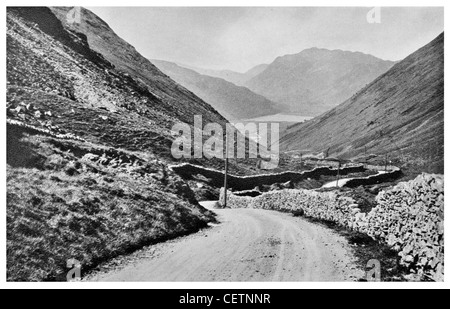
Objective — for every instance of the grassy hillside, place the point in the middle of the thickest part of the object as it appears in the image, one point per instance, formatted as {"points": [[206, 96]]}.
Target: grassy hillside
{"points": [[179, 103], [399, 115], [87, 153], [84, 93], [102, 39], [71, 199]]}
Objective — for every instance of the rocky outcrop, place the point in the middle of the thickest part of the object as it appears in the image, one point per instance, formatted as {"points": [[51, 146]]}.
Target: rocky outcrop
{"points": [[409, 217]]}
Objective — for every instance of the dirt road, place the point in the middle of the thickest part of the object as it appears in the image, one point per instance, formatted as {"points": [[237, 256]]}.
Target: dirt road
{"points": [[248, 245]]}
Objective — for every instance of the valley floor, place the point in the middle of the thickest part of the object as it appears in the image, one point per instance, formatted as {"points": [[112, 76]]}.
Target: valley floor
{"points": [[247, 245]]}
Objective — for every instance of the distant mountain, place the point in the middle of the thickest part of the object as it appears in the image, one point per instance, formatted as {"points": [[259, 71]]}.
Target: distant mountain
{"points": [[316, 80], [400, 114], [231, 101], [255, 71], [236, 78]]}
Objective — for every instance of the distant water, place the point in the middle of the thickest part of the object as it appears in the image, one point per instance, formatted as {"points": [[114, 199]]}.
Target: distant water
{"points": [[283, 119], [279, 118]]}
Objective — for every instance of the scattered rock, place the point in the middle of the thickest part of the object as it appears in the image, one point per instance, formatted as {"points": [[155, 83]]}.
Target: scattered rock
{"points": [[20, 109], [71, 171]]}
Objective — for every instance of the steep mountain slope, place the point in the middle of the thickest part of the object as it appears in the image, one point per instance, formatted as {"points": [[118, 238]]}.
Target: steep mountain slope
{"points": [[87, 144], [236, 78], [179, 102], [92, 97], [400, 114], [316, 80], [102, 39], [229, 100]]}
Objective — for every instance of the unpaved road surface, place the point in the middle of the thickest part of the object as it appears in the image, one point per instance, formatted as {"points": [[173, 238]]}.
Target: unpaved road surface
{"points": [[247, 245]]}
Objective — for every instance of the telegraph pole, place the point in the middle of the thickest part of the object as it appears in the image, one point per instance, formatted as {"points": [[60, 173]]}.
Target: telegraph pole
{"points": [[225, 185], [337, 180], [365, 154], [385, 162]]}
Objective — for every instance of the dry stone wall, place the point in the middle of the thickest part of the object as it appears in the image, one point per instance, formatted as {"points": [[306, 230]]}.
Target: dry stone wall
{"points": [[250, 182], [392, 174], [409, 217]]}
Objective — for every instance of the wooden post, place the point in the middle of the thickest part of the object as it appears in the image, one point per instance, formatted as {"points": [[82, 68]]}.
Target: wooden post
{"points": [[337, 180], [225, 185], [365, 155], [385, 163]]}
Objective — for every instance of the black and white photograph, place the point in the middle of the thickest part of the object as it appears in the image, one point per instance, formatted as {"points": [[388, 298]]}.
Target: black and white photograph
{"points": [[224, 144]]}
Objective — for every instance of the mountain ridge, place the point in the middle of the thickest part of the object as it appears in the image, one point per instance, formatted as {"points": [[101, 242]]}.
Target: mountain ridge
{"points": [[233, 102], [316, 79], [237, 78], [399, 114]]}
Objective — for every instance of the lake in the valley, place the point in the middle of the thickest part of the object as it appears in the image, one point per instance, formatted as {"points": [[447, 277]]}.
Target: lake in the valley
{"points": [[284, 121]]}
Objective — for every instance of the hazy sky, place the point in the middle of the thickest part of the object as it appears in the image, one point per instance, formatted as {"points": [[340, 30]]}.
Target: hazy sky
{"points": [[239, 38]]}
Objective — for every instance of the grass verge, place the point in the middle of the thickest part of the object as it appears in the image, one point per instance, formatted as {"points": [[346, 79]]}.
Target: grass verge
{"points": [[365, 249], [76, 200]]}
